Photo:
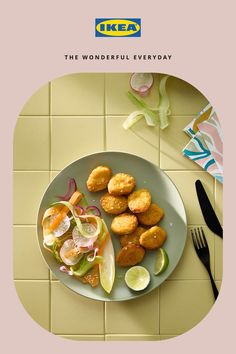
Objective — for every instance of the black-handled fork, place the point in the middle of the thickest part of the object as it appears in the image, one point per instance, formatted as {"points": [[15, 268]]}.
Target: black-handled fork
{"points": [[202, 250]]}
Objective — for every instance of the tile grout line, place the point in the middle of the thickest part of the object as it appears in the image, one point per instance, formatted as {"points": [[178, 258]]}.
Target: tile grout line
{"points": [[50, 175], [159, 129], [50, 304], [159, 312], [93, 115], [104, 118], [105, 148], [50, 127], [159, 145], [104, 316]]}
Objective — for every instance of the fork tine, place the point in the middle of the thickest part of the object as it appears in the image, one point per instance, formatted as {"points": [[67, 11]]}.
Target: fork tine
{"points": [[193, 233], [200, 240], [204, 237]]}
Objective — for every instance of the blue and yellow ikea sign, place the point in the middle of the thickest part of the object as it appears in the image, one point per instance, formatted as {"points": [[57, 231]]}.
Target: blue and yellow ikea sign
{"points": [[118, 27]]}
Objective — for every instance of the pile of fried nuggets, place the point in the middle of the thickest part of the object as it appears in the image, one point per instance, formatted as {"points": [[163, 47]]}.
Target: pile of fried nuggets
{"points": [[136, 215]]}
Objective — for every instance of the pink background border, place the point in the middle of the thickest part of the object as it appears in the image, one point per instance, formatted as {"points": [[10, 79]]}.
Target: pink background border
{"points": [[199, 35]]}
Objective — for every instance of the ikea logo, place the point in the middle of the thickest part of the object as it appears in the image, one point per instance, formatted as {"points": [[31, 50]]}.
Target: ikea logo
{"points": [[118, 27]]}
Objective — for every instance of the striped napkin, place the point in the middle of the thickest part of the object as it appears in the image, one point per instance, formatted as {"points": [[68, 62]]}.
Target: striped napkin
{"points": [[206, 144]]}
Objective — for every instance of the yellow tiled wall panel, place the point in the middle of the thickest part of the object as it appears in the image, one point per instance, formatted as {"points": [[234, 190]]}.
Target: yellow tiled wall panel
{"points": [[141, 140], [74, 137], [34, 296], [78, 94], [29, 188], [32, 143], [38, 103], [74, 314], [79, 114]]}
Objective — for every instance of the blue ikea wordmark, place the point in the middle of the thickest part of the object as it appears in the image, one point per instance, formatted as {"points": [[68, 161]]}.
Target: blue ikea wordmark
{"points": [[118, 27]]}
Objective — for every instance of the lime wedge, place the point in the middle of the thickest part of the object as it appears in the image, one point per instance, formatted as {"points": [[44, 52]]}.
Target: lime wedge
{"points": [[137, 278], [162, 261]]}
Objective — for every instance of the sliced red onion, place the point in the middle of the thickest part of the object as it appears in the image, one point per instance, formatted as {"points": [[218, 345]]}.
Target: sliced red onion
{"points": [[78, 210], [91, 256], [80, 240], [72, 187], [69, 253], [141, 82], [62, 227], [66, 270], [92, 208]]}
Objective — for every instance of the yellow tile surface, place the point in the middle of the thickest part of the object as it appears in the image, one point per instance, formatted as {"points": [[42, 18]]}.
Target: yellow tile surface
{"points": [[172, 141], [75, 314], [27, 260], [189, 266], [219, 201], [31, 143], [183, 304], [128, 316], [117, 102], [184, 98], [78, 94], [38, 103], [53, 174], [140, 140], [86, 116], [34, 296], [28, 191], [218, 285], [218, 258], [185, 182], [131, 338], [166, 337], [74, 137], [88, 338]]}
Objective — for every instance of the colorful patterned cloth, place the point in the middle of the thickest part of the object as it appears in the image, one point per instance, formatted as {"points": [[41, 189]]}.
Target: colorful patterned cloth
{"points": [[206, 145]]}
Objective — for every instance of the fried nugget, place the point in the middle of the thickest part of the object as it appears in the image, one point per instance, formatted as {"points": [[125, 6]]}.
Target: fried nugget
{"points": [[151, 216], [99, 178], [139, 201], [133, 237], [114, 204], [130, 255], [153, 238], [124, 224], [121, 184]]}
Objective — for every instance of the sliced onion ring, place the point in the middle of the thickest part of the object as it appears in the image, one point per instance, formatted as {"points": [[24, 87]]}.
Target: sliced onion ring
{"points": [[78, 210], [94, 209], [72, 187], [141, 82]]}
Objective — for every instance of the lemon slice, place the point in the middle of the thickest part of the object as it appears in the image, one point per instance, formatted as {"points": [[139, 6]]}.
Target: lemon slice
{"points": [[162, 261], [137, 278]]}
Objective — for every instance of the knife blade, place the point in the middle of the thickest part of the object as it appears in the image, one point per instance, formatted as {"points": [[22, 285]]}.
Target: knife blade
{"points": [[207, 210]]}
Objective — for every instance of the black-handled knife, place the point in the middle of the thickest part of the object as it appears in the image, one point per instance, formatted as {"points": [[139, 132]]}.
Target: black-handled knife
{"points": [[207, 210]]}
